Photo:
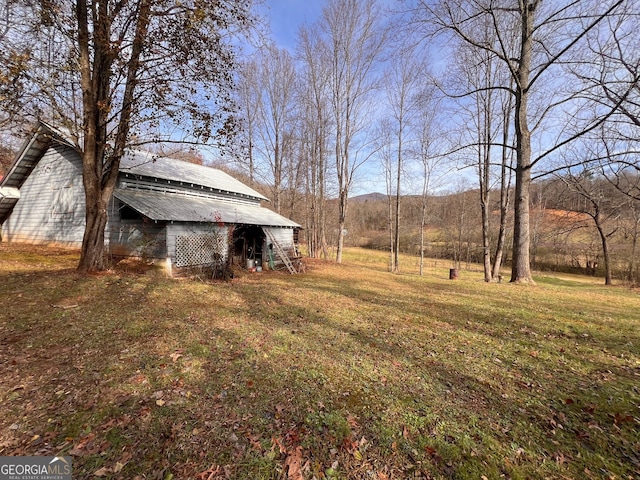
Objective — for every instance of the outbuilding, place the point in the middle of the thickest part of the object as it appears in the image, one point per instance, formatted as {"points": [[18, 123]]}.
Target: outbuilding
{"points": [[162, 208]]}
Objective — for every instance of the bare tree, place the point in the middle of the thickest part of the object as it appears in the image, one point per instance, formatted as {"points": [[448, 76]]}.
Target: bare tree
{"points": [[353, 38], [600, 205], [430, 160], [13, 63], [403, 81], [249, 101], [610, 71], [478, 74], [533, 38], [314, 100], [276, 116], [506, 173], [384, 146], [117, 74], [632, 212]]}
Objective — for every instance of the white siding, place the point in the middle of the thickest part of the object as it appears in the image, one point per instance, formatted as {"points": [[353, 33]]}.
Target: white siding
{"points": [[284, 236], [51, 208], [137, 237]]}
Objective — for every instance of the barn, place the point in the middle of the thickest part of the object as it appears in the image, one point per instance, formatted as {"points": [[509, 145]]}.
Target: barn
{"points": [[185, 214]]}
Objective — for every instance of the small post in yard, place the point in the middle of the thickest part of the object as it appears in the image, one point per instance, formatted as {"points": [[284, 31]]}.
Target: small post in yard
{"points": [[453, 274]]}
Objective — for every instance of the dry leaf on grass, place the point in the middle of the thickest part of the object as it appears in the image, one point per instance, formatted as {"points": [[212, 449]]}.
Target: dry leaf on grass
{"points": [[294, 464], [102, 472]]}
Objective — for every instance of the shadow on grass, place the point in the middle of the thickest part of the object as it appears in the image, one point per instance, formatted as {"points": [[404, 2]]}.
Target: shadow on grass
{"points": [[162, 377]]}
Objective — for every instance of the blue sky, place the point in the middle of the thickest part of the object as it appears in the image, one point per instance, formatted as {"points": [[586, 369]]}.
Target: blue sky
{"points": [[286, 16]]}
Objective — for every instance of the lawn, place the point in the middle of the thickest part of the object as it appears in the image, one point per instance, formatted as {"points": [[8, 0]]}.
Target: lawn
{"points": [[346, 371]]}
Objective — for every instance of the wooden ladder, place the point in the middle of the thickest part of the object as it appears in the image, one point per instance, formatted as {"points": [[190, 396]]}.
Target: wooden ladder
{"points": [[283, 255]]}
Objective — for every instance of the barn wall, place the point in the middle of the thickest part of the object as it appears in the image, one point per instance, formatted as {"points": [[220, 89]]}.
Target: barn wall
{"points": [[138, 237], [284, 236], [51, 208]]}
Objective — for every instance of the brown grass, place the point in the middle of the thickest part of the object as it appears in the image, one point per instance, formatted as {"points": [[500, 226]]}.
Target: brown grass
{"points": [[346, 371]]}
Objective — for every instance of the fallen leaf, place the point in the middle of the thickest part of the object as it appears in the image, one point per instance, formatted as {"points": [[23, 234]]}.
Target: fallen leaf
{"points": [[621, 418], [102, 472], [278, 443], [293, 464], [209, 473], [160, 403], [560, 458], [352, 421]]}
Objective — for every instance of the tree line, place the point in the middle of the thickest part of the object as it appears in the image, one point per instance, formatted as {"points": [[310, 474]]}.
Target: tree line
{"points": [[507, 92], [510, 91], [579, 223]]}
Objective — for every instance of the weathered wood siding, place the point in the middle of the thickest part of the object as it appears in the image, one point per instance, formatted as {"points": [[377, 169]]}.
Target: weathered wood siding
{"points": [[51, 208], [284, 236], [139, 237]]}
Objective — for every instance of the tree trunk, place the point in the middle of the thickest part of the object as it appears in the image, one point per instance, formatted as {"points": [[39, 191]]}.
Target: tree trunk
{"points": [[505, 186], [392, 258], [92, 255], [422, 225], [486, 241], [342, 216], [521, 264], [502, 233], [605, 249], [396, 253], [634, 248], [484, 166], [99, 169]]}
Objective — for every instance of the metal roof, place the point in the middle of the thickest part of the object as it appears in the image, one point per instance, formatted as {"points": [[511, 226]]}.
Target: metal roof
{"points": [[135, 162], [162, 206], [29, 156], [146, 164], [9, 196]]}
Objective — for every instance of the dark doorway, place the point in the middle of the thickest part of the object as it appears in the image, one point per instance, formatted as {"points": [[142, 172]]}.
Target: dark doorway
{"points": [[248, 242]]}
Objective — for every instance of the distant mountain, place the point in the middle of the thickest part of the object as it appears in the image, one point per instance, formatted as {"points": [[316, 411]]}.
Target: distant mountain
{"points": [[369, 197]]}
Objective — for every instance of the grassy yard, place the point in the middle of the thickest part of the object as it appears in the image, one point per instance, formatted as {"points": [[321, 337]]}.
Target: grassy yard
{"points": [[346, 371]]}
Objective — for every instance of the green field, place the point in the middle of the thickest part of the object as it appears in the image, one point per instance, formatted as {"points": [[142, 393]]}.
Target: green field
{"points": [[346, 371]]}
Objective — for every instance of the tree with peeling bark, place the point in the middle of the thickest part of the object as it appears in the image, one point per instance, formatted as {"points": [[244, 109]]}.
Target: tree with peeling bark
{"points": [[120, 73], [533, 40]]}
